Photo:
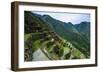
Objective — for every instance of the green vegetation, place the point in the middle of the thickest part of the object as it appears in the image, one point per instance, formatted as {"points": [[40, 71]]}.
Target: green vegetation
{"points": [[55, 39]]}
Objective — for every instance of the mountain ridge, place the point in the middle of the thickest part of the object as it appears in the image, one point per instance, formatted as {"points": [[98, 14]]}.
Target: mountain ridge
{"points": [[67, 31]]}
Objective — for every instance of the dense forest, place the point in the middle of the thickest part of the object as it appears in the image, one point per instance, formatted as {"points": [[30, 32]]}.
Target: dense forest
{"points": [[46, 38]]}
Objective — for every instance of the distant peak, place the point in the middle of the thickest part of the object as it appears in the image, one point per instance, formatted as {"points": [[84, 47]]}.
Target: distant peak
{"points": [[46, 15], [84, 22], [69, 23]]}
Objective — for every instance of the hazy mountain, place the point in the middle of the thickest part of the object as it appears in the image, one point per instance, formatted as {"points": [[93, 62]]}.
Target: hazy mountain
{"points": [[69, 32], [84, 29]]}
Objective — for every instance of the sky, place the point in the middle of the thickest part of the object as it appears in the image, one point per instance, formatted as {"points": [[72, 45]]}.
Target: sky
{"points": [[74, 18]]}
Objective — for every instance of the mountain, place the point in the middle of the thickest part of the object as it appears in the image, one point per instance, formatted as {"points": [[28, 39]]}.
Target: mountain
{"points": [[68, 32], [84, 29], [61, 40]]}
